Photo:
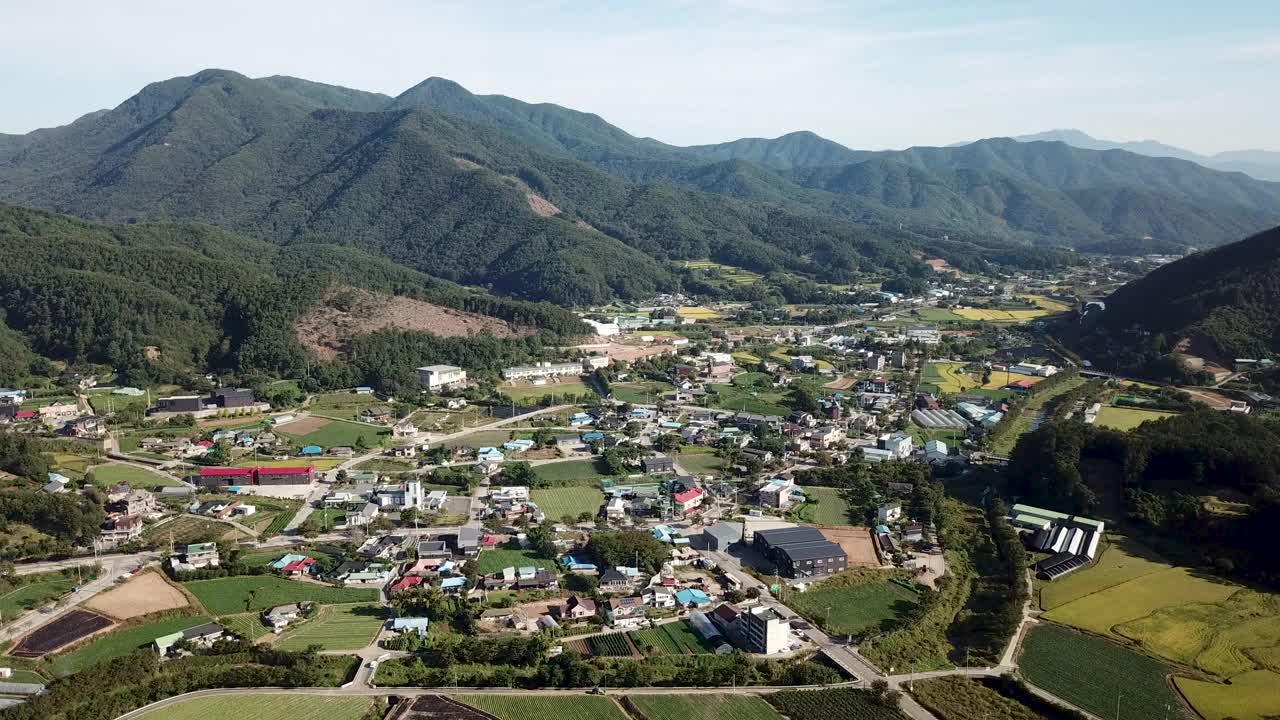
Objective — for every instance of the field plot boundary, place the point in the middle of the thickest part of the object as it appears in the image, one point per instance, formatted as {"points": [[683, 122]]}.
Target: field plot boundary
{"points": [[126, 603], [86, 615]]}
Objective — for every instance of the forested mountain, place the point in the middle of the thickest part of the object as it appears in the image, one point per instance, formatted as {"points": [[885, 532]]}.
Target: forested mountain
{"points": [[1225, 300], [1261, 164], [202, 297], [432, 191], [543, 202]]}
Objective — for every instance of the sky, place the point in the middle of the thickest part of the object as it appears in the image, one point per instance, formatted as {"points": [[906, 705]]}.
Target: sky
{"points": [[870, 74]]}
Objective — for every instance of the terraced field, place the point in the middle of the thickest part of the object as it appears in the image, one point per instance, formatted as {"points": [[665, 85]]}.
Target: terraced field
{"points": [[337, 627], [1103, 611], [536, 707], [265, 707], [233, 595], [703, 707]]}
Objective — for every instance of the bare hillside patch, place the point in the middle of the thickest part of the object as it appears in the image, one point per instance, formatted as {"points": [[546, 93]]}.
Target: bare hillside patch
{"points": [[347, 313]]}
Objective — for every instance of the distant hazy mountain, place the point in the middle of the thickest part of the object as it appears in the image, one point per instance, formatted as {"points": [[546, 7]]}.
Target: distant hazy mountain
{"points": [[1261, 164]]}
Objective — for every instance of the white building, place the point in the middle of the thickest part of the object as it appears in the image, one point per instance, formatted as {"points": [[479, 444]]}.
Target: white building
{"points": [[889, 512], [541, 371], [441, 377], [605, 329], [777, 492], [1025, 368], [401, 497], [765, 631], [935, 451], [898, 444]]}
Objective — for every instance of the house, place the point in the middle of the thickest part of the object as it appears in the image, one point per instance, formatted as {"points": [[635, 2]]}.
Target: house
{"points": [[720, 536], [689, 500], [578, 608], [201, 555], [658, 464], [359, 572], [659, 597], [692, 597], [202, 635], [777, 492], [403, 430], [57, 483], [454, 585], [410, 624], [627, 611], [305, 566], [280, 616], [517, 446], [441, 377], [935, 451], [363, 516], [764, 631], [466, 541], [489, 454], [613, 581], [377, 413], [889, 512], [726, 617], [568, 442], [387, 547], [121, 528]]}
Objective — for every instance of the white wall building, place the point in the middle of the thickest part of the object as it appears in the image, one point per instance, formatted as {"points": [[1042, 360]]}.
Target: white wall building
{"points": [[439, 377], [604, 329]]}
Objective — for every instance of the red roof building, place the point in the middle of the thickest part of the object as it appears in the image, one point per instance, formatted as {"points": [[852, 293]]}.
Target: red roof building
{"points": [[407, 582], [226, 472], [688, 500], [298, 567], [26, 415]]}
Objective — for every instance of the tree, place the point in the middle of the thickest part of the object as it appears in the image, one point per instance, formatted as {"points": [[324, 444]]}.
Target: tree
{"points": [[543, 542], [627, 547]]}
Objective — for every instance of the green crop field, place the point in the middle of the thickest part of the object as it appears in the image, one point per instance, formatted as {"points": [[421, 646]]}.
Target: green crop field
{"points": [[534, 707], [337, 627], [841, 704], [184, 530], [1127, 418], [572, 472], [116, 473], [247, 625], [120, 643], [346, 405], [753, 393], [571, 501], [36, 591], [699, 461], [1121, 560], [641, 393], [233, 595], [521, 391], [859, 601], [339, 433], [1092, 672], [830, 509], [610, 645], [492, 561], [949, 378], [272, 706], [1219, 638], [704, 707], [1100, 612], [1252, 696], [675, 638]]}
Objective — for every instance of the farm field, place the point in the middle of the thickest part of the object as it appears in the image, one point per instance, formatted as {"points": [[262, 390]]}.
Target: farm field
{"points": [[1102, 611], [384, 465], [842, 703], [143, 594], [935, 314], [535, 707], [860, 600], [61, 632], [233, 595], [727, 272], [698, 312], [1022, 424], [704, 707], [1047, 303], [336, 627], [74, 466], [951, 378], [185, 529], [332, 433], [640, 393], [119, 643], [1252, 696], [558, 502], [699, 461], [247, 625], [750, 392], [572, 472], [746, 358], [830, 509], [37, 591], [1000, 315], [1220, 638], [116, 473], [346, 405], [318, 464], [1121, 560], [282, 706], [675, 638], [610, 645], [1127, 418], [1066, 663], [491, 561], [519, 391]]}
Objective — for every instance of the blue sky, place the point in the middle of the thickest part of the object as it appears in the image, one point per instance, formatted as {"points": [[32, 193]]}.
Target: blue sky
{"points": [[871, 75]]}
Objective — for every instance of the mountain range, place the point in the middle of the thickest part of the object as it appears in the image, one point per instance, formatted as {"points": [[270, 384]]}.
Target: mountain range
{"points": [[1261, 164], [543, 202]]}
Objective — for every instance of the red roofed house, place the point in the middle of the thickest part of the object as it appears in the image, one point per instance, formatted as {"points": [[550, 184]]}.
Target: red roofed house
{"points": [[407, 582], [216, 477], [689, 500], [26, 415], [299, 567], [489, 541], [205, 444]]}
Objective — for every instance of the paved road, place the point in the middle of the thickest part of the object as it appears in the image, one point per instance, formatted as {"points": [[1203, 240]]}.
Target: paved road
{"points": [[113, 566], [135, 559]]}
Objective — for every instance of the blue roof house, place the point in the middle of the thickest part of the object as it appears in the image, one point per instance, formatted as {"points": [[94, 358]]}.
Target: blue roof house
{"points": [[312, 450], [692, 596]]}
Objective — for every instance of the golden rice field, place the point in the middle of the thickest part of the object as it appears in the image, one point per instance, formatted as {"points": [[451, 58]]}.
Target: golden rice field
{"points": [[952, 378], [731, 273], [698, 312], [1046, 303], [1229, 633], [1000, 315]]}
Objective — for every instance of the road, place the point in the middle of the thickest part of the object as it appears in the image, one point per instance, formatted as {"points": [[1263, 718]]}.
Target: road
{"points": [[113, 566]]}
